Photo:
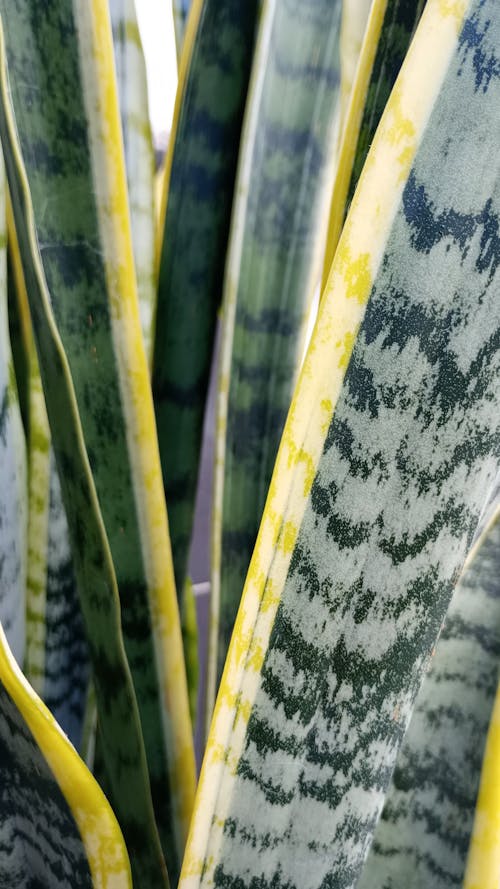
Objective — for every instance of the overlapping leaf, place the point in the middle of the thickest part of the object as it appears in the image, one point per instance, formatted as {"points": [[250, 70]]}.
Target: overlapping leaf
{"points": [[69, 135], [390, 448], [199, 180], [423, 836], [56, 826], [272, 268], [139, 154], [13, 476], [389, 31]]}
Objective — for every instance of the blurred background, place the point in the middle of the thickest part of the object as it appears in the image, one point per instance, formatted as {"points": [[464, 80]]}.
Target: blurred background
{"points": [[157, 32]]}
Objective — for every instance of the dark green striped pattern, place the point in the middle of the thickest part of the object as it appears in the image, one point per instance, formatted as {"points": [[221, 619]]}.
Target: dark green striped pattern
{"points": [[423, 837], [294, 144], [408, 460], [13, 480], [400, 20], [66, 673], [40, 845], [44, 82], [193, 251]]}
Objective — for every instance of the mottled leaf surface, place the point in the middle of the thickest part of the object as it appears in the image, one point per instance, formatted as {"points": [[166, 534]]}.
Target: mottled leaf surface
{"points": [[389, 453], [423, 836], [13, 476], [63, 90], [116, 701], [40, 844]]}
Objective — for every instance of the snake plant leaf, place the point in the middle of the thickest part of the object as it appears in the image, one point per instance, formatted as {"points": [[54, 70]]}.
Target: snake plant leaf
{"points": [[389, 31], [190, 641], [354, 18], [13, 473], [67, 669], [84, 233], [199, 180], [56, 826], [272, 269], [56, 656], [388, 455], [139, 154], [20, 342], [180, 11], [423, 836], [124, 748], [483, 862]]}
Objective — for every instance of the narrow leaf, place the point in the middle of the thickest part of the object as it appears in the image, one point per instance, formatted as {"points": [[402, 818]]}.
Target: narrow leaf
{"points": [[13, 476], [139, 154], [272, 269], [390, 27], [116, 701], [86, 250], [199, 180], [56, 656], [483, 863]]}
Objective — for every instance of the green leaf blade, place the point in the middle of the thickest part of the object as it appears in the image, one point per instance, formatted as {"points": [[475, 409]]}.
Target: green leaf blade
{"points": [[390, 449], [200, 194]]}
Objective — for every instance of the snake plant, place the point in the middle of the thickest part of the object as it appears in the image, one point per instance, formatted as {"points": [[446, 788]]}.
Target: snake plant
{"points": [[354, 742]]}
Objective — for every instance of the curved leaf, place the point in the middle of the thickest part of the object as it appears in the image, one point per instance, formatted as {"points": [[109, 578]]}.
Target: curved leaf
{"points": [[483, 863], [70, 139], [423, 836], [56, 826], [117, 706], [390, 449], [56, 657]]}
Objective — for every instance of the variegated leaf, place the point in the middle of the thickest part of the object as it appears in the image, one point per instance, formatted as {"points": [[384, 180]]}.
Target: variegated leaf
{"points": [[198, 190], [139, 155], [282, 189], [423, 836], [390, 449], [86, 260], [56, 826]]}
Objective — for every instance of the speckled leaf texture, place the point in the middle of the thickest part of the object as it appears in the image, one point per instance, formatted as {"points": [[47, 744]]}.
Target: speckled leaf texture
{"points": [[283, 187], [56, 659], [69, 132], [423, 836], [13, 475], [66, 672], [199, 181], [56, 826], [139, 154], [39, 840], [389, 452]]}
